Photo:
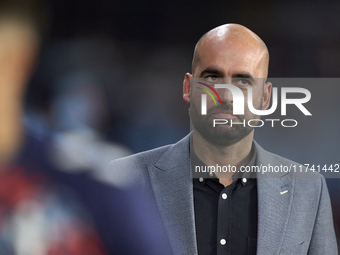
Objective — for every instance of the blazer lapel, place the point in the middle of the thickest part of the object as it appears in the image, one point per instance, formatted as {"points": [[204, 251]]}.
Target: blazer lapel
{"points": [[173, 190], [275, 194]]}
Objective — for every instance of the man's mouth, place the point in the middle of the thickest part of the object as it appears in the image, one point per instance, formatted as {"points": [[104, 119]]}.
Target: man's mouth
{"points": [[223, 115]]}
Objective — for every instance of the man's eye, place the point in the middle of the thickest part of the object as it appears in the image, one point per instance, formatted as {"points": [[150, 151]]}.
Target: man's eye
{"points": [[211, 78], [243, 82]]}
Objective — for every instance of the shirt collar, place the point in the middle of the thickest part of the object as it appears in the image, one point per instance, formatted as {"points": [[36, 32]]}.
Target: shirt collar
{"points": [[196, 161]]}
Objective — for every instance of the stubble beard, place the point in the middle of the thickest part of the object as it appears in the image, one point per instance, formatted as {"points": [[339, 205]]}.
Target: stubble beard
{"points": [[221, 135]]}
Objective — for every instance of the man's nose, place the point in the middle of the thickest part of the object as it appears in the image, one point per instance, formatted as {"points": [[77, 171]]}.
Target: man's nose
{"points": [[225, 94]]}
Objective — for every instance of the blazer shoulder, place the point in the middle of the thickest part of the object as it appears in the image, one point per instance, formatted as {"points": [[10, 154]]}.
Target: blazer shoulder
{"points": [[135, 167], [145, 157], [130, 170]]}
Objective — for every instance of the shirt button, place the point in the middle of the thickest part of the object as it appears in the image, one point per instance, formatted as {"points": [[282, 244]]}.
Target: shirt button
{"points": [[223, 241], [201, 179], [224, 196], [244, 180], [211, 174]]}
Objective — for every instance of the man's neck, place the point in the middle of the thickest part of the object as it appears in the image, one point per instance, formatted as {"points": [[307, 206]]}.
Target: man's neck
{"points": [[237, 154]]}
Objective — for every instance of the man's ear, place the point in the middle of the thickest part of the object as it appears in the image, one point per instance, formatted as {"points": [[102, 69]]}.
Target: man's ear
{"points": [[267, 91], [186, 87]]}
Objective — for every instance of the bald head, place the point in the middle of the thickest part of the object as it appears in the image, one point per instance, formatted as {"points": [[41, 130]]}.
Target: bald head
{"points": [[233, 36]]}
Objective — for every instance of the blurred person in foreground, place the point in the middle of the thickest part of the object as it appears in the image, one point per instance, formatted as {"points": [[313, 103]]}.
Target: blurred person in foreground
{"points": [[36, 218], [231, 212], [42, 210]]}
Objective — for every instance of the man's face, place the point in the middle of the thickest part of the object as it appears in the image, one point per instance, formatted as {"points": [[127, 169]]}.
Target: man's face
{"points": [[233, 63]]}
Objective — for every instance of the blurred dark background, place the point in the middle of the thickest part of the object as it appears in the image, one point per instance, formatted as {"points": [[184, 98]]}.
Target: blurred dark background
{"points": [[137, 52], [115, 69]]}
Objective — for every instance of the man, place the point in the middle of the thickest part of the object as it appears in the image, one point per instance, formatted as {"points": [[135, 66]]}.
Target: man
{"points": [[230, 213]]}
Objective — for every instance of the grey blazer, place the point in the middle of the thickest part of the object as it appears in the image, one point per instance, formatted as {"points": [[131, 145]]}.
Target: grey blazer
{"points": [[295, 222]]}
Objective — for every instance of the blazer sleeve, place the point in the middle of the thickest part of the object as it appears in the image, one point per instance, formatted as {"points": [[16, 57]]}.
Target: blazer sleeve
{"points": [[323, 238]]}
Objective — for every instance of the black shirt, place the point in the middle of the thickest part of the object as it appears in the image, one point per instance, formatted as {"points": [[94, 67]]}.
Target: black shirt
{"points": [[225, 217]]}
